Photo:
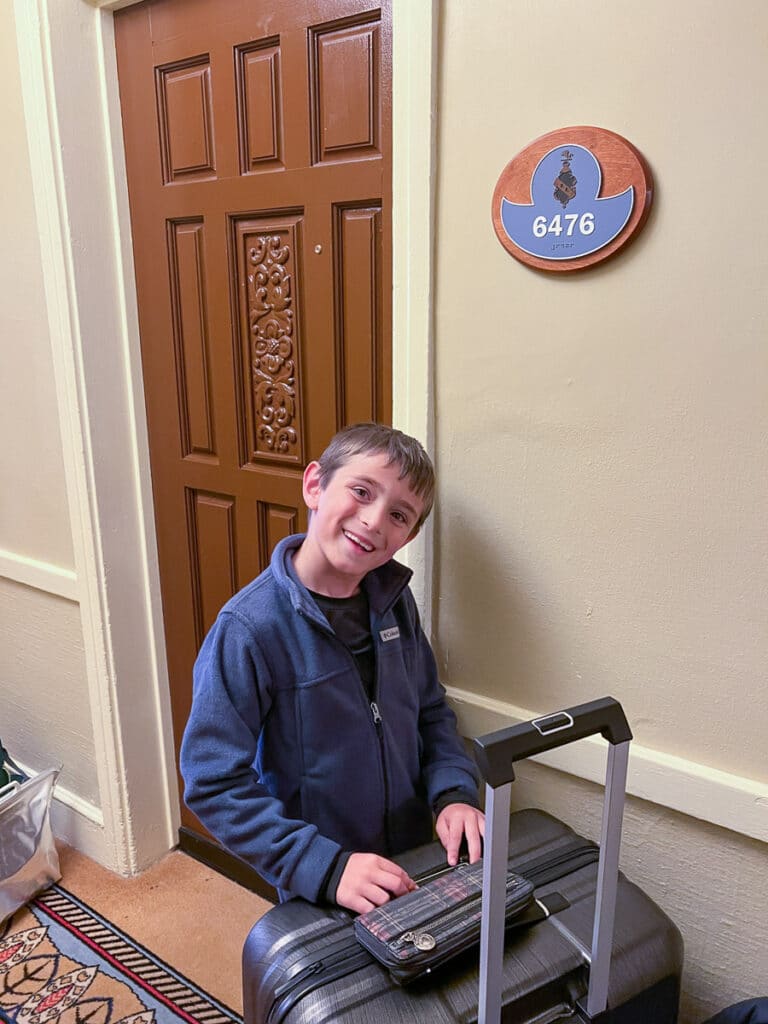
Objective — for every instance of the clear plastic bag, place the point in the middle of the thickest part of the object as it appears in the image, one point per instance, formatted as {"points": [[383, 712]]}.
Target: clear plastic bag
{"points": [[29, 861]]}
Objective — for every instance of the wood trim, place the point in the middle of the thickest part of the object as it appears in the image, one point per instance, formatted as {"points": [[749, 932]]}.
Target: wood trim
{"points": [[112, 5], [414, 126], [214, 856], [51, 579], [48, 180], [74, 135], [75, 821], [730, 801]]}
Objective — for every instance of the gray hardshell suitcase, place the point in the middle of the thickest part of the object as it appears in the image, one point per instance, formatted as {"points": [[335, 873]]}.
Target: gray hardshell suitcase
{"points": [[611, 956]]}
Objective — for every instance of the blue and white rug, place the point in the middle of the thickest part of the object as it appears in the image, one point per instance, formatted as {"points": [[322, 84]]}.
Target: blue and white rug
{"points": [[62, 963]]}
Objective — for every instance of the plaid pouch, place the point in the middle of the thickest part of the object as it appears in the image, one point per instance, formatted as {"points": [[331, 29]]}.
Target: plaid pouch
{"points": [[416, 932]]}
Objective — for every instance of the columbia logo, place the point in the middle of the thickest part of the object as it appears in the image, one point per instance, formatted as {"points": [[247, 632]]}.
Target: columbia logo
{"points": [[389, 634]]}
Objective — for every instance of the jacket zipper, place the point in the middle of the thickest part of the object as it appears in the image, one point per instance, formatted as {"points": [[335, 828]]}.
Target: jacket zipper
{"points": [[353, 956], [379, 726], [378, 723]]}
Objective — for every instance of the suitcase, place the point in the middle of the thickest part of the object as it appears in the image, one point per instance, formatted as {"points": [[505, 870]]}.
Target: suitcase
{"points": [[610, 956]]}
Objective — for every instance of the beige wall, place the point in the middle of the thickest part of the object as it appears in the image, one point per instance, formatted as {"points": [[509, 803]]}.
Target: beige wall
{"points": [[601, 437], [46, 718], [34, 520], [43, 691]]}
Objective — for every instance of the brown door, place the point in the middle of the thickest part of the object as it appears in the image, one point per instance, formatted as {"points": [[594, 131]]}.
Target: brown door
{"points": [[258, 150]]}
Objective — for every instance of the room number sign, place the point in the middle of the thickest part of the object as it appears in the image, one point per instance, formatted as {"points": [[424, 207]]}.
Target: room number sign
{"points": [[571, 199]]}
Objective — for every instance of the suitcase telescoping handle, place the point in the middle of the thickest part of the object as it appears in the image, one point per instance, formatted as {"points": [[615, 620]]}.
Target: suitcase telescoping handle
{"points": [[496, 753]]}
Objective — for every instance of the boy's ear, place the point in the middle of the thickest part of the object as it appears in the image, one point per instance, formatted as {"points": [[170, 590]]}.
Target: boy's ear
{"points": [[310, 486]]}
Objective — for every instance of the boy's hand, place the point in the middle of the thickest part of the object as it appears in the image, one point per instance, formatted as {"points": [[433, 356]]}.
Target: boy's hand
{"points": [[370, 881], [455, 821]]}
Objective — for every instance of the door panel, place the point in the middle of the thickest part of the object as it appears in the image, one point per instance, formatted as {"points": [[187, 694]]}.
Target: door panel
{"points": [[258, 152]]}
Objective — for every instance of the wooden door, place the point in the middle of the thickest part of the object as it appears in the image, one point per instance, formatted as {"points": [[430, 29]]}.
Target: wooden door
{"points": [[258, 151]]}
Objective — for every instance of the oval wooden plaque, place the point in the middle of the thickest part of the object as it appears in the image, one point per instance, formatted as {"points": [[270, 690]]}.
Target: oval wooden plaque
{"points": [[572, 199]]}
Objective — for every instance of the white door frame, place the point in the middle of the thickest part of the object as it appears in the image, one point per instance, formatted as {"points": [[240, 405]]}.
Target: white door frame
{"points": [[72, 113]]}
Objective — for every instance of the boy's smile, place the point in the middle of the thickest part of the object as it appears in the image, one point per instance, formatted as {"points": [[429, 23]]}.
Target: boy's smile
{"points": [[359, 520]]}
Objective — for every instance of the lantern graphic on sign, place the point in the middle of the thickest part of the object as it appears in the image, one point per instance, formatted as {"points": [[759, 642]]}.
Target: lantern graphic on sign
{"points": [[565, 182]]}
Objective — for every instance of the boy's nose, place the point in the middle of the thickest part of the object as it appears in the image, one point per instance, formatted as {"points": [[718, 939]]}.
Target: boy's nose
{"points": [[371, 517]]}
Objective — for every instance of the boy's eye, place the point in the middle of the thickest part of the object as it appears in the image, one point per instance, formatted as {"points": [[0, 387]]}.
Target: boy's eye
{"points": [[360, 492], [400, 517]]}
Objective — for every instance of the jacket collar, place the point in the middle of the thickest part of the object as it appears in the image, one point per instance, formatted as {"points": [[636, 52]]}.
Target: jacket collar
{"points": [[383, 586]]}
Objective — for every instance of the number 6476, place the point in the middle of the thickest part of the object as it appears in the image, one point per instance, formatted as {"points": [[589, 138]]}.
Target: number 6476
{"points": [[564, 223]]}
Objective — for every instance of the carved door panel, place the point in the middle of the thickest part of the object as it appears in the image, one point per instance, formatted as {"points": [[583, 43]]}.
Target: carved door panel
{"points": [[258, 155]]}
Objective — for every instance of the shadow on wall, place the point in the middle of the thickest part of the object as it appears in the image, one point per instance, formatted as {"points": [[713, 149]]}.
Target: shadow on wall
{"points": [[494, 624]]}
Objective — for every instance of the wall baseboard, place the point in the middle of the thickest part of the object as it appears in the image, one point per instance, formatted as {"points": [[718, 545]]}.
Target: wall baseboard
{"points": [[41, 575], [730, 801], [80, 825], [708, 794]]}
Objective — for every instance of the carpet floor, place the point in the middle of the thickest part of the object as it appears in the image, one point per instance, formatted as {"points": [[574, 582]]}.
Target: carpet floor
{"points": [[178, 914]]}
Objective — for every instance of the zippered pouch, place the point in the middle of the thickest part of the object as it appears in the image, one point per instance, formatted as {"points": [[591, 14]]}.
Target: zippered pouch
{"points": [[29, 861], [415, 933]]}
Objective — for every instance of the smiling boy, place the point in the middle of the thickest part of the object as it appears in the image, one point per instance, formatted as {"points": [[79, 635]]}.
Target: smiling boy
{"points": [[320, 743]]}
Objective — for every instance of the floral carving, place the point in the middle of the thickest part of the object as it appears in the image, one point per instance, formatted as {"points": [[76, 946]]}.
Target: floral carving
{"points": [[271, 323]]}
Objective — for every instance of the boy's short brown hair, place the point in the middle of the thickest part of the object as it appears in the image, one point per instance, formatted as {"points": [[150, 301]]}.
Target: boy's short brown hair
{"points": [[372, 438]]}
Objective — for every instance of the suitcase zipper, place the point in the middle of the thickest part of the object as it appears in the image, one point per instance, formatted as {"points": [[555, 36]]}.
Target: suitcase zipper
{"points": [[353, 957], [541, 870], [536, 869]]}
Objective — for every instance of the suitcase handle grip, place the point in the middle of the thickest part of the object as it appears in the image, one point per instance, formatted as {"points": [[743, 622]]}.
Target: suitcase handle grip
{"points": [[496, 752]]}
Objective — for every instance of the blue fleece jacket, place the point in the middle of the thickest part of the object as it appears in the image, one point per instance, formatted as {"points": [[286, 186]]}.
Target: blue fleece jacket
{"points": [[284, 759]]}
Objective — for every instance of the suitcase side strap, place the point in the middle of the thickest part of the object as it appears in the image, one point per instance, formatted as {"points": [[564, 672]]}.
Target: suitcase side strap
{"points": [[551, 867]]}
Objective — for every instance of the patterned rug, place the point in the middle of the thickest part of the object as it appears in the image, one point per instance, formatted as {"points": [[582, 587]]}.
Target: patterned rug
{"points": [[62, 963]]}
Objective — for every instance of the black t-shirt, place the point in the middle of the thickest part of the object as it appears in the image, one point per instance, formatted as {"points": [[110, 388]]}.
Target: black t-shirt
{"points": [[349, 619]]}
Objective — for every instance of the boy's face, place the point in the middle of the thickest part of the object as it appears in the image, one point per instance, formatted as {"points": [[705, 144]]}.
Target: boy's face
{"points": [[362, 517]]}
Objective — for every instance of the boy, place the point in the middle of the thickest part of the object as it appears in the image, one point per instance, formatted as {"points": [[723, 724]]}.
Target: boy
{"points": [[319, 743]]}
